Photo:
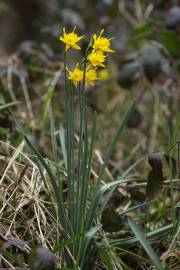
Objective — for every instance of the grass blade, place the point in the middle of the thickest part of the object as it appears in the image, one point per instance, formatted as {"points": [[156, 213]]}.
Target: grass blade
{"points": [[63, 144], [115, 139], [150, 235], [87, 240], [145, 243], [106, 259], [7, 105]]}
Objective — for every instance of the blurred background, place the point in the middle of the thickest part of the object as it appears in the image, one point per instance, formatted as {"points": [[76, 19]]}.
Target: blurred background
{"points": [[42, 20]]}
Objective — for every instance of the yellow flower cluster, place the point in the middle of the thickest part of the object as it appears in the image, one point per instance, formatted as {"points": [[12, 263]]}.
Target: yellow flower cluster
{"points": [[96, 58], [100, 46]]}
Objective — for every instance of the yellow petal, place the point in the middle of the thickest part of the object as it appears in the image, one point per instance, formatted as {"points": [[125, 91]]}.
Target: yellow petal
{"points": [[75, 46], [92, 83], [101, 32], [79, 38], [67, 47], [75, 83], [101, 65], [109, 50], [94, 37], [61, 38], [77, 65]]}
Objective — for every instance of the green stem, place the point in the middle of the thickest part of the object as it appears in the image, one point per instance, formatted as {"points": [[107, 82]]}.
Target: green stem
{"points": [[81, 163], [70, 130]]}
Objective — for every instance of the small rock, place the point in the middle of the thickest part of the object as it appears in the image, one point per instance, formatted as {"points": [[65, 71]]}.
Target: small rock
{"points": [[129, 74], [42, 259], [135, 119], [151, 60], [173, 18]]}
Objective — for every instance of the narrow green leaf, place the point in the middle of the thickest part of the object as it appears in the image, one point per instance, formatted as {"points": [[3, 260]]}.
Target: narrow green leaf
{"points": [[115, 139], [53, 139], [106, 259], [7, 105], [65, 243], [52, 85], [7, 202], [84, 183], [133, 240], [87, 240], [145, 243], [63, 144]]}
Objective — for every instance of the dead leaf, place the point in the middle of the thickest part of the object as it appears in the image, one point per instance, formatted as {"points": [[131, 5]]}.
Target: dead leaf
{"points": [[171, 253]]}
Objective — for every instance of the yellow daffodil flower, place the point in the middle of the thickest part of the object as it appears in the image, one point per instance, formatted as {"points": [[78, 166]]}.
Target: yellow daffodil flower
{"points": [[70, 39], [76, 76], [101, 43], [97, 58], [91, 76], [104, 74]]}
